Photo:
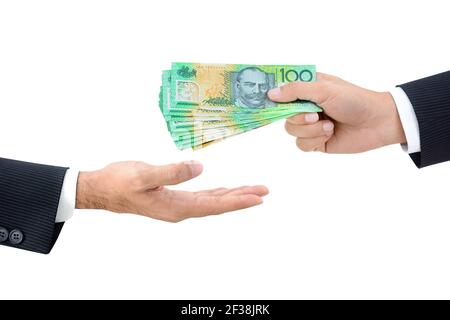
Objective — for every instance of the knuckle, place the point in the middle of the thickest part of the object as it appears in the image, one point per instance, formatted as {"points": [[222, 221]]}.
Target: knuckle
{"points": [[137, 179], [317, 130], [173, 219], [288, 127], [174, 173], [297, 119], [294, 130], [303, 146], [291, 86], [300, 144], [321, 85], [296, 85]]}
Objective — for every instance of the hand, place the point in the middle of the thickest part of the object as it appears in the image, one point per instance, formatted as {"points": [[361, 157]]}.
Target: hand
{"points": [[354, 120], [139, 188]]}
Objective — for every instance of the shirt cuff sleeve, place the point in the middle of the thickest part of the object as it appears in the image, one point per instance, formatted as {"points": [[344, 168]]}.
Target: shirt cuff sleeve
{"points": [[66, 205], [408, 119]]}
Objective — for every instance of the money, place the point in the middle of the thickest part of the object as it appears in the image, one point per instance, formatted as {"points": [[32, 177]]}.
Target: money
{"points": [[206, 103]]}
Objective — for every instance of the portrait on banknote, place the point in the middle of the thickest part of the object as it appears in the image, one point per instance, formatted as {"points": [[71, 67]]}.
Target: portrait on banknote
{"points": [[250, 86]]}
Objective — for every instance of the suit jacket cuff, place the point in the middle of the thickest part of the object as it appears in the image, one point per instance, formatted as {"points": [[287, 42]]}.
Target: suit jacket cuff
{"points": [[430, 98], [67, 199], [29, 197], [408, 119]]}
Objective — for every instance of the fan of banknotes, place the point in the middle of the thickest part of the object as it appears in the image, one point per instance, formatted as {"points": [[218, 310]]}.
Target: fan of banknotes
{"points": [[206, 103]]}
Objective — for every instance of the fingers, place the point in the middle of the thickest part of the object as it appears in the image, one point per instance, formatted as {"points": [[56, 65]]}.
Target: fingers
{"points": [[257, 190], [212, 205], [312, 144], [311, 134], [320, 128], [171, 174], [175, 206], [317, 92], [217, 191], [304, 118]]}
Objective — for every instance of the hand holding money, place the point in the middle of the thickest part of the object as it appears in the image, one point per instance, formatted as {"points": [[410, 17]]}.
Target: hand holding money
{"points": [[356, 119], [206, 103]]}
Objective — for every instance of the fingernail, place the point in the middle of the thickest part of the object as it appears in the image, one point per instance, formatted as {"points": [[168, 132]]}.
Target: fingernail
{"points": [[328, 126], [311, 117], [274, 93], [195, 166]]}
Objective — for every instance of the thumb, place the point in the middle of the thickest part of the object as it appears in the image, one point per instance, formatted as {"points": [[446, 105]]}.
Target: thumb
{"points": [[313, 91], [172, 173]]}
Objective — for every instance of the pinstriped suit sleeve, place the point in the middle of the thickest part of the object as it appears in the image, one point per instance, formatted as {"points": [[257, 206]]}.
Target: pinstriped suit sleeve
{"points": [[29, 197], [430, 98]]}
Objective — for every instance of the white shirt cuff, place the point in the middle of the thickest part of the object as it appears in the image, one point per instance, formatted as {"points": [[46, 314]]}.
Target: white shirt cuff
{"points": [[408, 119], [66, 205]]}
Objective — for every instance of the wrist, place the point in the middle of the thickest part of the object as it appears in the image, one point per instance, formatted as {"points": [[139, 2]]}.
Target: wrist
{"points": [[88, 195], [391, 129]]}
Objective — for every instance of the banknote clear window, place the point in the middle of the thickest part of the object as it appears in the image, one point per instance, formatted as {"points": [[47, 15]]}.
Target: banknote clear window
{"points": [[188, 91]]}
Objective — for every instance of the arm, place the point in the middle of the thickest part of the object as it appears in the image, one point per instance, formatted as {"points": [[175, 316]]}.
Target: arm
{"points": [[140, 188], [30, 197], [430, 98]]}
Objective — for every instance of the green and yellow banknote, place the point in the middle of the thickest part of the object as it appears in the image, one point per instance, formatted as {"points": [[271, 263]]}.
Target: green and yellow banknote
{"points": [[206, 103]]}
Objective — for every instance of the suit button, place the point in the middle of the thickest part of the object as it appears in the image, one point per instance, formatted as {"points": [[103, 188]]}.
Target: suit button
{"points": [[3, 234], [16, 236]]}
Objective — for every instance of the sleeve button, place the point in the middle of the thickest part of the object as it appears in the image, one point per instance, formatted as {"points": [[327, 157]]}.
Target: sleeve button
{"points": [[15, 236], [3, 234]]}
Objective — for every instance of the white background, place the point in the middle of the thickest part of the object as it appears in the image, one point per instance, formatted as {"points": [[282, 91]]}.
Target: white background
{"points": [[79, 83]]}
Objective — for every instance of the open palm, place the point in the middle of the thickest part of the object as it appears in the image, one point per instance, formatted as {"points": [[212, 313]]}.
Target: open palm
{"points": [[140, 188]]}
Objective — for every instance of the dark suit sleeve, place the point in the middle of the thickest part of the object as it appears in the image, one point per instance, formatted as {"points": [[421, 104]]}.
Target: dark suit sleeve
{"points": [[430, 98], [29, 198]]}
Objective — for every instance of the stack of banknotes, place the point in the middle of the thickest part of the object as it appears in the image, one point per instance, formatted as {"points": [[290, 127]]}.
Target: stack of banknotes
{"points": [[206, 103]]}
